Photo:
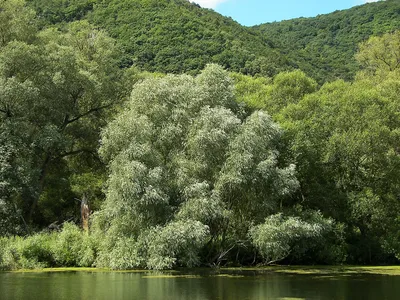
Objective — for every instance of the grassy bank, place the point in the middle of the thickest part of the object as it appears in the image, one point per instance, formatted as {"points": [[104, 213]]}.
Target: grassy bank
{"points": [[326, 270]]}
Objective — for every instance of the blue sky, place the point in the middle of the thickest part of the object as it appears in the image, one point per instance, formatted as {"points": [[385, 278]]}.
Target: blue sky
{"points": [[253, 12]]}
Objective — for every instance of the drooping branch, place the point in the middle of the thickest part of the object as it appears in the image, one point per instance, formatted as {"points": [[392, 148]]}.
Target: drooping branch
{"points": [[282, 257]]}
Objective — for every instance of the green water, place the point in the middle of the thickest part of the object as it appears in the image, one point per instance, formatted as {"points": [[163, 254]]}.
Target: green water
{"points": [[203, 286]]}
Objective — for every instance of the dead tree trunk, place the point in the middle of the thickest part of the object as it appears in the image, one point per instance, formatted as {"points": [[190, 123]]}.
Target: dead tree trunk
{"points": [[85, 213]]}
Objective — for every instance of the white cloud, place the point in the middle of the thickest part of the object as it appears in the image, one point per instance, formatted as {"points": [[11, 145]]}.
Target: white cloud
{"points": [[368, 1], [208, 3]]}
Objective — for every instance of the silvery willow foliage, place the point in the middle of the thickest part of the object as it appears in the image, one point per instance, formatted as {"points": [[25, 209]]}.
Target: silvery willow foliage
{"points": [[188, 166], [279, 235]]}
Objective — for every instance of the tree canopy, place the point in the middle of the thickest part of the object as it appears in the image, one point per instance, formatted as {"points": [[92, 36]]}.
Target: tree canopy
{"points": [[55, 86]]}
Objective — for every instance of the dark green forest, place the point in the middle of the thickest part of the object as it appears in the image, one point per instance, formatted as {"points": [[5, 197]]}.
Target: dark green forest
{"points": [[158, 134]]}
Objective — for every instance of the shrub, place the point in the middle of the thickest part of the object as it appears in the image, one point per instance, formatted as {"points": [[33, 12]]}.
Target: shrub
{"points": [[69, 248], [73, 247], [3, 244], [32, 252], [35, 251]]}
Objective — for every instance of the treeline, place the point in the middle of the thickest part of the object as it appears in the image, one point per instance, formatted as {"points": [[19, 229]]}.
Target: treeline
{"points": [[213, 169]]}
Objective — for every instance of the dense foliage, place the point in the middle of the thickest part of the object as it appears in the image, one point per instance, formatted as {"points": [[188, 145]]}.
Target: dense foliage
{"points": [[54, 89], [213, 168], [344, 139]]}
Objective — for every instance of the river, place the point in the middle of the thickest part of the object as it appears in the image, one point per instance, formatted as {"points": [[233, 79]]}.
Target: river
{"points": [[206, 285]]}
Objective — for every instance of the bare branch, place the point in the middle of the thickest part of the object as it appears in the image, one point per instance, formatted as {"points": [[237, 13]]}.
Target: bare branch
{"points": [[76, 152], [79, 151], [90, 111]]}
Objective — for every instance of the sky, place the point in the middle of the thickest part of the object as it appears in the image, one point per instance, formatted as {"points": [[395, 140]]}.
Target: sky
{"points": [[253, 12]]}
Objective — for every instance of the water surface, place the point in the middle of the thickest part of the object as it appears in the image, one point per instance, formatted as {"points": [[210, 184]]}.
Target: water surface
{"points": [[196, 286]]}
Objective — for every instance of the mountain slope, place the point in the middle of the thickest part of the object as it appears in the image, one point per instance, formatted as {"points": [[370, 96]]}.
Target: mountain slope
{"points": [[176, 36]]}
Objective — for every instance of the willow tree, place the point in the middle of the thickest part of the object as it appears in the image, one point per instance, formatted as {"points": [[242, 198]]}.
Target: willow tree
{"points": [[188, 166]]}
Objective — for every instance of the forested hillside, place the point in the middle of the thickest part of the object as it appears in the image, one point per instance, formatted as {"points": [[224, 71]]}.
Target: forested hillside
{"points": [[324, 46], [171, 36], [178, 36]]}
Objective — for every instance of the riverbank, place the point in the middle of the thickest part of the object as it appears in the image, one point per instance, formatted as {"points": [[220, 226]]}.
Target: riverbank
{"points": [[328, 270], [296, 270]]}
